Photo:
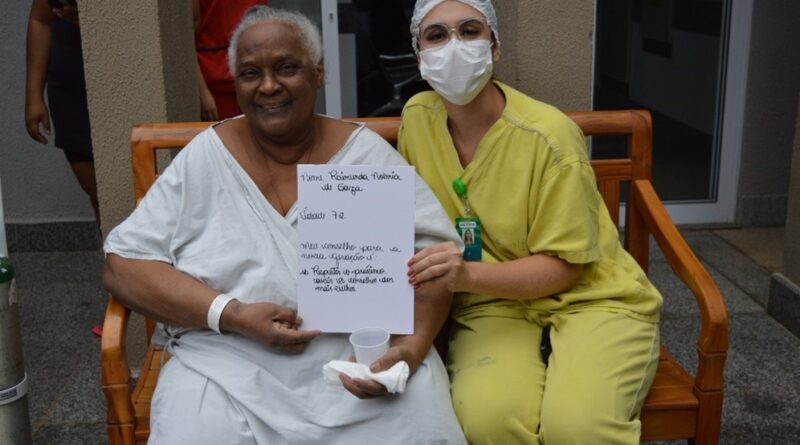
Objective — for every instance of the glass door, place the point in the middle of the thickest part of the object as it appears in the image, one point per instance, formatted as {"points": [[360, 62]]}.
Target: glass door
{"points": [[370, 67], [686, 62], [377, 66]]}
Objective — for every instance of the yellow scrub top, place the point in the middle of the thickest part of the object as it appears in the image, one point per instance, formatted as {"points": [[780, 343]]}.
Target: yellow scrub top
{"points": [[532, 186]]}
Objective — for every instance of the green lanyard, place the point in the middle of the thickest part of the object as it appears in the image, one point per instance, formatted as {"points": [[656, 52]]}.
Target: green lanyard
{"points": [[468, 226], [461, 190]]}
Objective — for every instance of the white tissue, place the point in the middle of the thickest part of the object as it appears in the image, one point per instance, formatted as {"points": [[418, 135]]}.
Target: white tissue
{"points": [[394, 378]]}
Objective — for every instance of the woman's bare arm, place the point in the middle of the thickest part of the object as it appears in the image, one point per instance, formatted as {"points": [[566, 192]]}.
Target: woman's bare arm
{"points": [[535, 276], [36, 59], [431, 307], [163, 293]]}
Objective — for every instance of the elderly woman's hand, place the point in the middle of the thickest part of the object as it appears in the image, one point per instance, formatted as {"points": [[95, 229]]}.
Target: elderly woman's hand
{"points": [[439, 263], [271, 324], [403, 348]]}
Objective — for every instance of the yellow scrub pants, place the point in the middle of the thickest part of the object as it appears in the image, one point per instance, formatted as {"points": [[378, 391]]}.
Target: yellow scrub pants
{"points": [[591, 391]]}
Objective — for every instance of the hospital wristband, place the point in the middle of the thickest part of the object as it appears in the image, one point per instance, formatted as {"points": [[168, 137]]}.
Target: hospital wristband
{"points": [[215, 311]]}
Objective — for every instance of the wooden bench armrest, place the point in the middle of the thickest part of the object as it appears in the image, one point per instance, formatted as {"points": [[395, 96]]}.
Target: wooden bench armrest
{"points": [[712, 343], [115, 373]]}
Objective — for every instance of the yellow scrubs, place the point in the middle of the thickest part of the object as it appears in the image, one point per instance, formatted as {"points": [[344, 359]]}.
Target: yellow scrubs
{"points": [[532, 186]]}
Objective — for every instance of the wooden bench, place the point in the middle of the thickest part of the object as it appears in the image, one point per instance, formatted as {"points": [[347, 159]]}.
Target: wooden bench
{"points": [[678, 406]]}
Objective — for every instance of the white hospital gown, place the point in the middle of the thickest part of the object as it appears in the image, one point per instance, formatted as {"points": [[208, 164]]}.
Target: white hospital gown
{"points": [[207, 218]]}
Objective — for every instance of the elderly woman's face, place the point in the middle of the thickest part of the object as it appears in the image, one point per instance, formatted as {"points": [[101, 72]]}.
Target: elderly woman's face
{"points": [[276, 80]]}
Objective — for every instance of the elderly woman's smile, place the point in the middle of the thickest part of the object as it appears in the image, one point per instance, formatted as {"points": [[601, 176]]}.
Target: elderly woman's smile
{"points": [[270, 107]]}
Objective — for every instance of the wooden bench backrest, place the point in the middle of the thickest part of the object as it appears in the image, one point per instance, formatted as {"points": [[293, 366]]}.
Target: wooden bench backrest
{"points": [[148, 139]]}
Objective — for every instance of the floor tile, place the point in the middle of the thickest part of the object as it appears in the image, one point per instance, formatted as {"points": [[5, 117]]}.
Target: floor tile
{"points": [[752, 278], [764, 245], [72, 434]]}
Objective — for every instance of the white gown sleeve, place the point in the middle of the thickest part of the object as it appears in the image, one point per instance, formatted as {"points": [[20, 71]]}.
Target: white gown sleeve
{"points": [[147, 233]]}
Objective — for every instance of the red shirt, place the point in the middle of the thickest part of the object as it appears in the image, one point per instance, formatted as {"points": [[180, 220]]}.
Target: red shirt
{"points": [[218, 20]]}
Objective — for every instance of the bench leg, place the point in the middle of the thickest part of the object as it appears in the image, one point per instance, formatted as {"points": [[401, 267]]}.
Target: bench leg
{"points": [[709, 418]]}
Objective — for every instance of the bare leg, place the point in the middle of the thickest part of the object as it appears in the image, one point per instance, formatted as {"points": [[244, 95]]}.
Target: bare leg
{"points": [[84, 172]]}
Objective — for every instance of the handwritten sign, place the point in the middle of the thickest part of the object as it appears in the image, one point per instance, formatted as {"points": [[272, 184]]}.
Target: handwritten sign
{"points": [[355, 236]]}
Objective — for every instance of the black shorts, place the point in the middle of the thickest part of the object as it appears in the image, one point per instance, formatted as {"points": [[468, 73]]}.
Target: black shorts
{"points": [[66, 93]]}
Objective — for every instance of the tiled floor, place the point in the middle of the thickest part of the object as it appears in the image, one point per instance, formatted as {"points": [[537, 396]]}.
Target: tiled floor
{"points": [[764, 245], [61, 298], [762, 388]]}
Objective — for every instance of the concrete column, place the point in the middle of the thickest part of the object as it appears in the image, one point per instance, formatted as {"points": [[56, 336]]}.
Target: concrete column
{"points": [[547, 50], [791, 250], [139, 61], [140, 66], [773, 81], [784, 292]]}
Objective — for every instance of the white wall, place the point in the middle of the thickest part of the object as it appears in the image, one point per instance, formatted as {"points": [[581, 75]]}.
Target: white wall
{"points": [[38, 184], [140, 67], [773, 85]]}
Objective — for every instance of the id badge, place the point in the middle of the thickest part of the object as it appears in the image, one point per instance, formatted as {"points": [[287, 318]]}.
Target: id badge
{"points": [[469, 229]]}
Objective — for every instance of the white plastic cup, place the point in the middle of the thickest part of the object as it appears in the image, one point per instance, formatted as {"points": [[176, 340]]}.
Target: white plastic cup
{"points": [[369, 344]]}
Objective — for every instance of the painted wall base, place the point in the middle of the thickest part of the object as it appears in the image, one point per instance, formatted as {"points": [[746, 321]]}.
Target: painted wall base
{"points": [[53, 237], [762, 211]]}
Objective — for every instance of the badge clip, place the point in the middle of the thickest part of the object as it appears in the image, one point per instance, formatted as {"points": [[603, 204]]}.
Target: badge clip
{"points": [[468, 226]]}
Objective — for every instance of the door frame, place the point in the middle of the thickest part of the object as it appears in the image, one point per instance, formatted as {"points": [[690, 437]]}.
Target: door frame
{"points": [[730, 123], [736, 51], [330, 47]]}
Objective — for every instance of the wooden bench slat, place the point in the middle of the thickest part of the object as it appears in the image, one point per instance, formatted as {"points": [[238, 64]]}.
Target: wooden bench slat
{"points": [[668, 425], [610, 192]]}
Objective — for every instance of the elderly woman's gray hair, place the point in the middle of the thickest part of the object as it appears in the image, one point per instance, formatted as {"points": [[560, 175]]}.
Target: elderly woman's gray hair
{"points": [[309, 33]]}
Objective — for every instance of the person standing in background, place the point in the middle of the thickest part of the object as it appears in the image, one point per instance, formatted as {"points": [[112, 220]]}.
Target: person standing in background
{"points": [[54, 57], [214, 22]]}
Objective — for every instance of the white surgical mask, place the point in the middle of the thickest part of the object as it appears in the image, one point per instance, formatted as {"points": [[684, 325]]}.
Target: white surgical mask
{"points": [[458, 70]]}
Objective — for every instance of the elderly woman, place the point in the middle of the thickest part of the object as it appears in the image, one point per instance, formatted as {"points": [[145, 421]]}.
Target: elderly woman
{"points": [[545, 255], [221, 222]]}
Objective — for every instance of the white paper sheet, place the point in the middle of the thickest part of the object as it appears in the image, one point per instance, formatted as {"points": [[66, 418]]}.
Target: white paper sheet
{"points": [[355, 237]]}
